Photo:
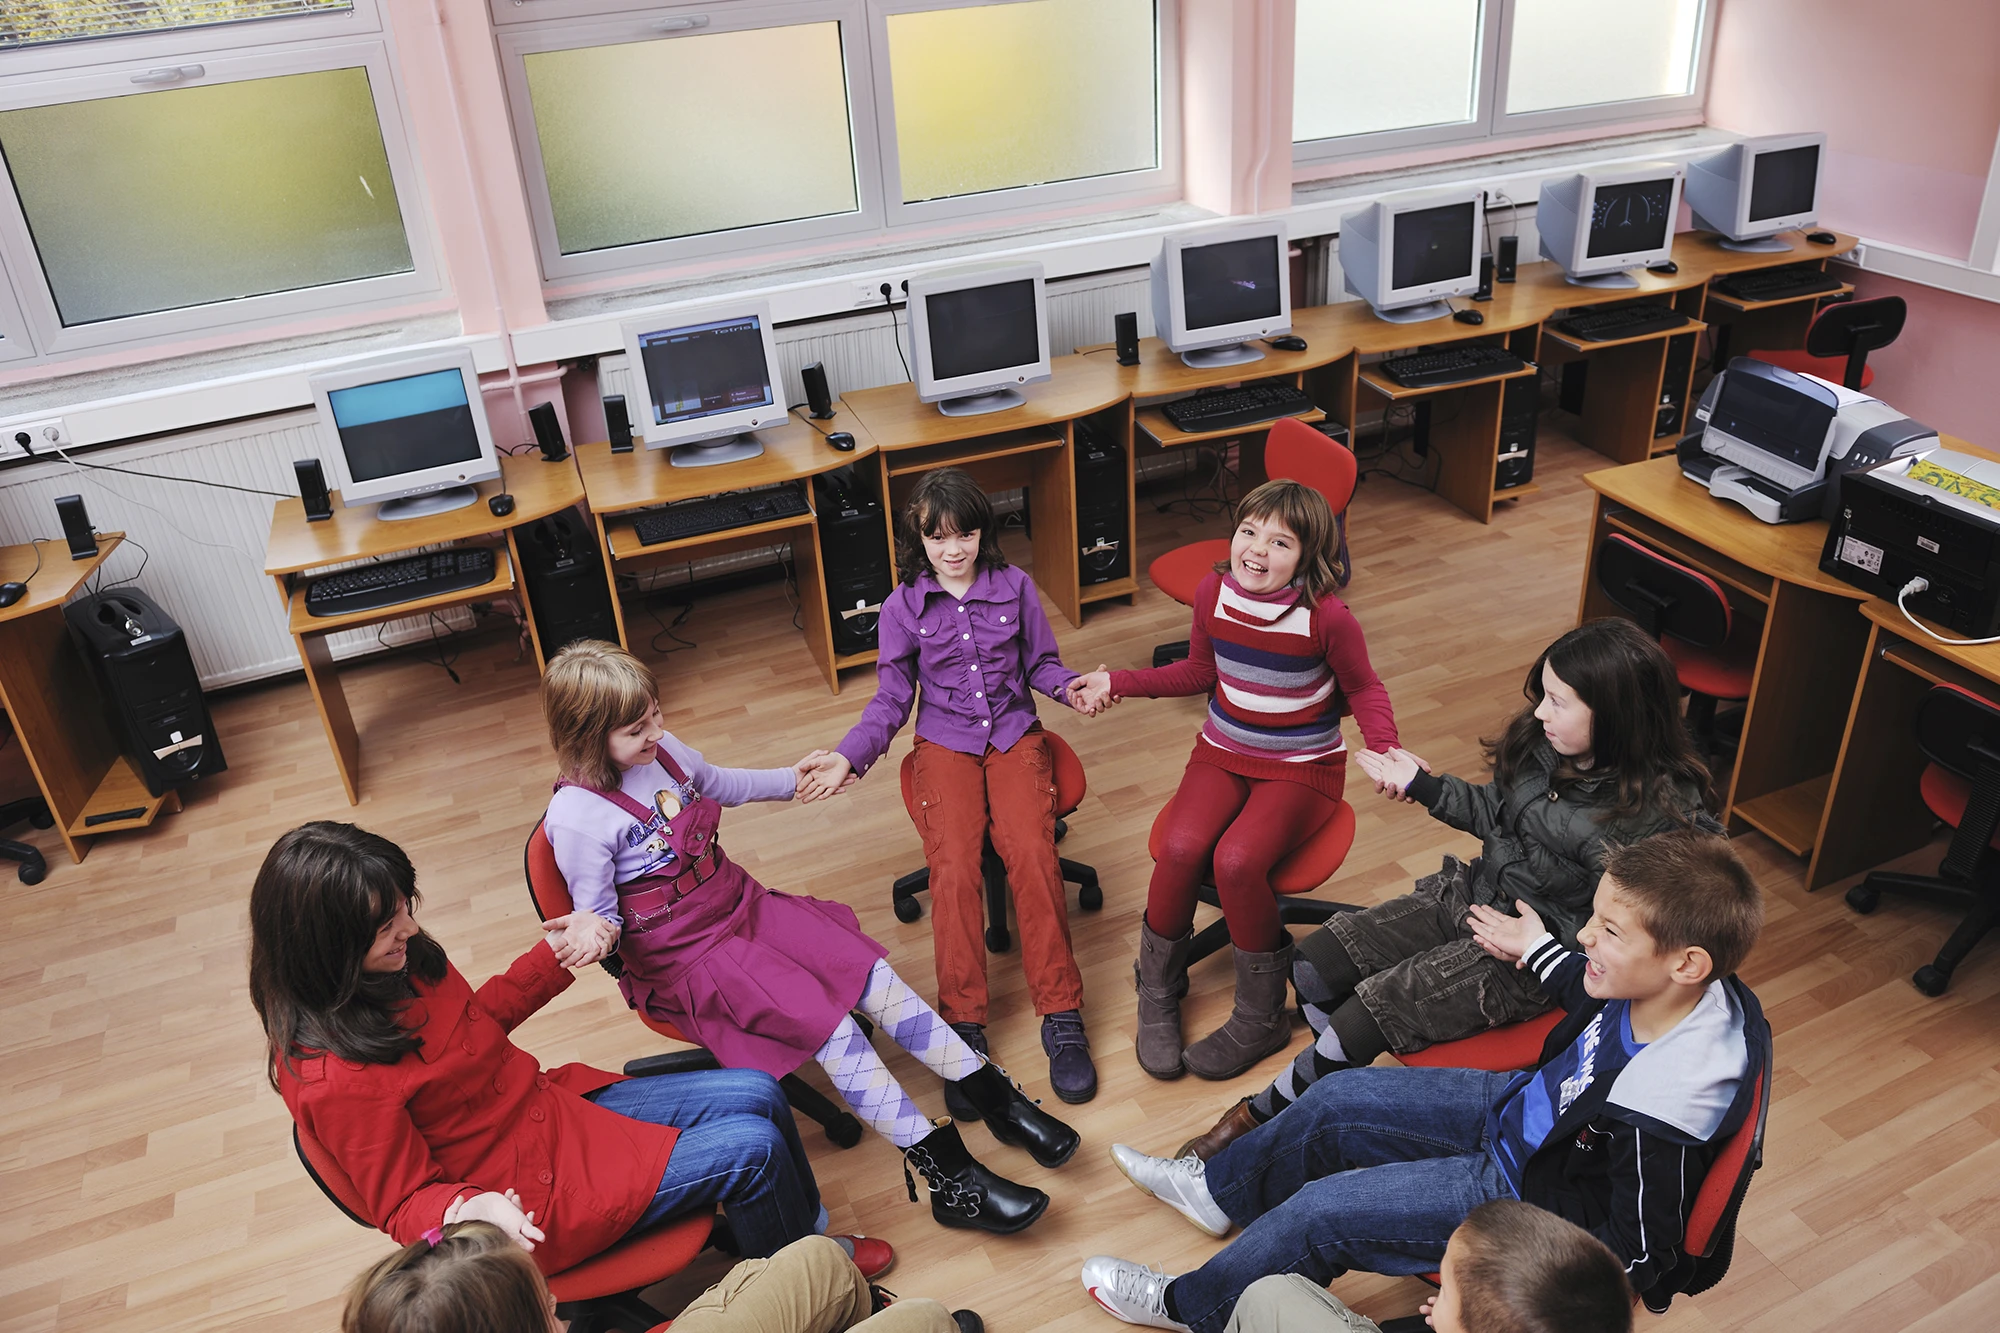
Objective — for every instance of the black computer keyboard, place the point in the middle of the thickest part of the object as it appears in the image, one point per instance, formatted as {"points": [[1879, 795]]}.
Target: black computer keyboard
{"points": [[1224, 409], [720, 513], [392, 582], [1603, 323], [1451, 364], [1775, 284]]}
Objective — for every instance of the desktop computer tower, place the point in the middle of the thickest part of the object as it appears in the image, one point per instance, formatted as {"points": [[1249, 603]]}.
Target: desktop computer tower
{"points": [[146, 676], [854, 551], [564, 575], [1674, 385], [1520, 410], [1103, 521]]}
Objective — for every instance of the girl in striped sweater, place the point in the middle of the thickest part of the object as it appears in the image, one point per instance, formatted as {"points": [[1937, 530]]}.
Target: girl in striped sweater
{"points": [[1282, 659]]}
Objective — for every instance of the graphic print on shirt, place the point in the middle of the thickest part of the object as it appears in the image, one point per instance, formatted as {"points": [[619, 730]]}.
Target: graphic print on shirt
{"points": [[1586, 1065], [652, 837]]}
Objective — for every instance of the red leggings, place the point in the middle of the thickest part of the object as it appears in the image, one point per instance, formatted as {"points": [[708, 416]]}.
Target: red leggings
{"points": [[1243, 827]]}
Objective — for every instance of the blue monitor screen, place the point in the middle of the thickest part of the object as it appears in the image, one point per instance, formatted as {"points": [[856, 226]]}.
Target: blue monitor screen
{"points": [[702, 370], [404, 425]]}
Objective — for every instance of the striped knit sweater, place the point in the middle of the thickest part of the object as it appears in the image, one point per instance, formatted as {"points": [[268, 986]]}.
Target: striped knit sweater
{"points": [[1279, 673]]}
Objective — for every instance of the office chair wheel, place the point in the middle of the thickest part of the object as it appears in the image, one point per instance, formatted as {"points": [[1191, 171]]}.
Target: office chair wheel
{"points": [[845, 1132], [1863, 899], [997, 939], [1931, 979], [42, 818], [1090, 897], [908, 910], [30, 873]]}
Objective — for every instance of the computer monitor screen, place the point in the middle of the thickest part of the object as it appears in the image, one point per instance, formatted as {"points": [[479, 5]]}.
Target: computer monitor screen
{"points": [[703, 370], [1231, 282], [977, 329], [1631, 217], [404, 425], [1773, 417], [1782, 182], [1432, 245]]}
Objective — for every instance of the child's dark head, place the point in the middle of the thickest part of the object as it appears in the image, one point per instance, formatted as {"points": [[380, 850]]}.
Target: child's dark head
{"points": [[946, 504], [333, 943], [1606, 697], [1286, 533], [473, 1280], [601, 706], [1675, 909], [1513, 1268]]}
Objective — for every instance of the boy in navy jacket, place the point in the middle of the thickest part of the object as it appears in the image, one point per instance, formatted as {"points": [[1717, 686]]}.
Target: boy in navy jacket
{"points": [[1655, 1065]]}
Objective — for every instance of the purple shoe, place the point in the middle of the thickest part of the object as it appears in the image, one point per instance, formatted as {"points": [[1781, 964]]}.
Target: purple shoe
{"points": [[1071, 1073]]}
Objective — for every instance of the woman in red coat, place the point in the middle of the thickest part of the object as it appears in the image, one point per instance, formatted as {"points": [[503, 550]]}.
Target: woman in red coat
{"points": [[405, 1074]]}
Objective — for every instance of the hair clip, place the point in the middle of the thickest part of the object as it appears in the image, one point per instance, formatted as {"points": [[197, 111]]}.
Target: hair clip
{"points": [[433, 1236]]}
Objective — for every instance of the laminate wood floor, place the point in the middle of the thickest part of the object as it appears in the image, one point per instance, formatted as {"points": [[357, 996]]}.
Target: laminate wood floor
{"points": [[147, 1180]]}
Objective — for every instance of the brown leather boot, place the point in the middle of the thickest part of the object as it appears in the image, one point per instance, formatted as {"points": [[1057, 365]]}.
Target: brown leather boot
{"points": [[1161, 974], [1237, 1121], [1260, 1025]]}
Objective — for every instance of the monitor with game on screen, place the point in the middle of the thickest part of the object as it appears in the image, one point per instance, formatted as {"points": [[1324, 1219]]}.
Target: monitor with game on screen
{"points": [[1216, 288], [709, 378], [1403, 255], [1599, 224], [978, 334], [408, 431], [1751, 191]]}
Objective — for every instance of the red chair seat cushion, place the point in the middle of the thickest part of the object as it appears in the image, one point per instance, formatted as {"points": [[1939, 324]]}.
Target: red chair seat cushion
{"points": [[1946, 793], [1180, 571], [1515, 1046], [1801, 362], [1720, 673], [637, 1261], [1306, 866], [1070, 782]]}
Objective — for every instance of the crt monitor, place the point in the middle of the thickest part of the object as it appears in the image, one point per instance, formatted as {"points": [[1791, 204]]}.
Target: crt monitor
{"points": [[409, 432], [1599, 224], [708, 377], [977, 335], [1216, 288], [1751, 191], [1403, 255]]}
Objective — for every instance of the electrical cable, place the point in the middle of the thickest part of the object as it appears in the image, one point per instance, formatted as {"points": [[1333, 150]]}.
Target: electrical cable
{"points": [[160, 476], [896, 332], [1917, 585], [257, 560]]}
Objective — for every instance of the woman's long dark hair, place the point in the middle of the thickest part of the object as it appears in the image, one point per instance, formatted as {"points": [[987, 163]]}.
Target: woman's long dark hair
{"points": [[323, 892], [1637, 734], [946, 500]]}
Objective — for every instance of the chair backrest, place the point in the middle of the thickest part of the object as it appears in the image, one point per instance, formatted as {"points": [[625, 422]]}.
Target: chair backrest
{"points": [[1855, 328], [548, 890], [1295, 451], [1960, 731], [333, 1181], [1664, 596], [1722, 1189]]}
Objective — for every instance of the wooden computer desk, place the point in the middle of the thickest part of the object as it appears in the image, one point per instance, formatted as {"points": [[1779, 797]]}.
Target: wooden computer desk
{"points": [[618, 484], [1161, 374], [539, 489], [51, 697]]}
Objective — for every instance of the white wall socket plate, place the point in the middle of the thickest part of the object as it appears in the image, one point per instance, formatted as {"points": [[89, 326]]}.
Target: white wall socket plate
{"points": [[44, 436]]}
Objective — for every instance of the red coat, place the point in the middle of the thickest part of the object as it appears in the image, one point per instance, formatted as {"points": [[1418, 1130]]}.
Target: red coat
{"points": [[469, 1111]]}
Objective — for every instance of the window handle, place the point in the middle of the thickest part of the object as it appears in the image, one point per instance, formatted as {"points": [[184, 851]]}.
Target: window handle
{"points": [[686, 24], [171, 74]]}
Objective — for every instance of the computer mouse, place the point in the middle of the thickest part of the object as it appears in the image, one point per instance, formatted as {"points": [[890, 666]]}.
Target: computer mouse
{"points": [[1822, 238], [1468, 316], [841, 440], [12, 592], [1664, 266], [501, 505], [1288, 342]]}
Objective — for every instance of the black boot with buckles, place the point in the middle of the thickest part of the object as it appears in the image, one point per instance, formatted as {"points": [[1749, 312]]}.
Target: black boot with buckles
{"points": [[964, 1193], [1015, 1120]]}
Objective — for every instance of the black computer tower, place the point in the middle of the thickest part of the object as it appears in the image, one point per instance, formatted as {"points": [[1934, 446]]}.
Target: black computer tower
{"points": [[1103, 520], [854, 552], [564, 574], [144, 671], [1520, 411], [1674, 385]]}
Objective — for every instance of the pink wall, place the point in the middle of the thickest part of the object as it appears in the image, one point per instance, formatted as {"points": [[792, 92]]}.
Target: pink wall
{"points": [[1941, 371]]}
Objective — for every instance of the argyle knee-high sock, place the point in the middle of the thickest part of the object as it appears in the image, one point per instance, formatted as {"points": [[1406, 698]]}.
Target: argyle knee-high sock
{"points": [[866, 1084], [1313, 1063], [915, 1026]]}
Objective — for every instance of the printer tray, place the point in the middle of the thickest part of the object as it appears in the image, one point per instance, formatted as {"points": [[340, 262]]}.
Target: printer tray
{"points": [[1767, 501]]}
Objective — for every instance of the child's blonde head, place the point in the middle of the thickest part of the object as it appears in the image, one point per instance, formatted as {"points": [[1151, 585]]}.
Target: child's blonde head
{"points": [[475, 1279], [590, 690]]}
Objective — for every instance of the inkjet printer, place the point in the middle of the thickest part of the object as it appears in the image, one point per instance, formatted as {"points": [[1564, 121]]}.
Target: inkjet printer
{"points": [[1776, 442], [1929, 526]]}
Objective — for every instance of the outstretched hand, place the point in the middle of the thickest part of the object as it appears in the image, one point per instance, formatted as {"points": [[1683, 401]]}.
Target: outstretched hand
{"points": [[1090, 693], [503, 1210], [823, 774], [580, 938], [1506, 937], [1392, 772]]}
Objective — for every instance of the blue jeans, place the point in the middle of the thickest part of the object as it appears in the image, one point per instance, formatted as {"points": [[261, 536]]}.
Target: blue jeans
{"points": [[1371, 1168], [738, 1147]]}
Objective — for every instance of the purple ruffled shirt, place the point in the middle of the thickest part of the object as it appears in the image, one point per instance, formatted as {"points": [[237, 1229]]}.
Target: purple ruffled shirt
{"points": [[976, 660]]}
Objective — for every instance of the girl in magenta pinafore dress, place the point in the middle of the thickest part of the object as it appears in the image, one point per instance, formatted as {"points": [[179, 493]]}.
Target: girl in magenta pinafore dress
{"points": [[762, 979]]}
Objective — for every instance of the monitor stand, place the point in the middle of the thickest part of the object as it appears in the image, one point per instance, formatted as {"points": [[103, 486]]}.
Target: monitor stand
{"points": [[1606, 282], [979, 404], [709, 453], [431, 502], [1763, 245], [1415, 314], [1229, 354]]}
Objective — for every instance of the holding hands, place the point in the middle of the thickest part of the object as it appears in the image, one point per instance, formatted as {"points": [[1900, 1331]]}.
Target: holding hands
{"points": [[1506, 937], [1090, 693], [1393, 771], [503, 1211], [823, 774], [579, 939]]}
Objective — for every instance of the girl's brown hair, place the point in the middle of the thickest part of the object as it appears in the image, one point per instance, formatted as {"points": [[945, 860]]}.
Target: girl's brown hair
{"points": [[474, 1280], [591, 689], [946, 500], [321, 895], [1305, 511]]}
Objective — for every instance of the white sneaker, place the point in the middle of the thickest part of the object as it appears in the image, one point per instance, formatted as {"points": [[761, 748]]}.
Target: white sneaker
{"points": [[1180, 1183], [1131, 1292]]}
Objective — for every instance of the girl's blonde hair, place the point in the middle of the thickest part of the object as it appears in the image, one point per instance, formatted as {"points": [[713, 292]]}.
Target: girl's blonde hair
{"points": [[591, 689], [1305, 511], [475, 1279]]}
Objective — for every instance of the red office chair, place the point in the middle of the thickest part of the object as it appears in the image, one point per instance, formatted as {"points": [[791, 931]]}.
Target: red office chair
{"points": [[1070, 788], [1840, 339], [1294, 451], [602, 1292], [1959, 733], [550, 893], [1687, 611], [1497, 1050], [1303, 869]]}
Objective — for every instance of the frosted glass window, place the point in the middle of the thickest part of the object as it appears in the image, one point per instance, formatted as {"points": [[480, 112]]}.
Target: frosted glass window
{"points": [[32, 22], [1568, 53], [645, 141], [1363, 66], [186, 196], [995, 97]]}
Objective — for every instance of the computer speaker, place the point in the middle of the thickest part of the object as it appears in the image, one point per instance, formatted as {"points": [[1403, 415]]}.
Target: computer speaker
{"points": [[312, 489], [817, 396], [1506, 251], [1485, 292], [617, 424], [76, 527], [548, 432], [1128, 339]]}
